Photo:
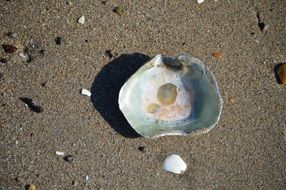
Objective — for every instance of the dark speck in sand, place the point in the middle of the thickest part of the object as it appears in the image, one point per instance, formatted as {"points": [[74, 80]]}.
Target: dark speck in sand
{"points": [[42, 51], [9, 48], [141, 148], [109, 54], [32, 105], [3, 60], [103, 1], [59, 40]]}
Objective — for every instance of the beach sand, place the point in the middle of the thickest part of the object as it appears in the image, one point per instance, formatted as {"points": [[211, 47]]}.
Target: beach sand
{"points": [[246, 150]]}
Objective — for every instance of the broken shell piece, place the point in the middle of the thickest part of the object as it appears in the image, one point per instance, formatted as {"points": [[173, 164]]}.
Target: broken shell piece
{"points": [[85, 92], [81, 20], [60, 153], [175, 164], [171, 96]]}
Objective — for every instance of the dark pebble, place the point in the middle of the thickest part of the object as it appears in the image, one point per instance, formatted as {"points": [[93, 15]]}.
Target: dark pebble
{"points": [[3, 60], [12, 35], [109, 54], [9, 48], [32, 105], [68, 158], [141, 148], [59, 40]]}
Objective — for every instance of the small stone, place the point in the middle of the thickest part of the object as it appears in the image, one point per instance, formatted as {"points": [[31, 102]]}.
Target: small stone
{"points": [[87, 178], [59, 40], [68, 158], [85, 92], [281, 72], [200, 1], [231, 99], [109, 54], [12, 35], [81, 20], [31, 187], [175, 164], [9, 48], [3, 60], [217, 54], [118, 10]]}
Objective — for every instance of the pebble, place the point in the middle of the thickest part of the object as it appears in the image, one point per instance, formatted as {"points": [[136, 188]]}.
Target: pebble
{"points": [[200, 1], [68, 158], [217, 54], [81, 20], [12, 35], [60, 153], [118, 10], [141, 148], [281, 72], [109, 54], [85, 92], [174, 164], [9, 48]]}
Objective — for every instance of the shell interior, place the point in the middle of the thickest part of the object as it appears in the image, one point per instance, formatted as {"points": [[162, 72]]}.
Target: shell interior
{"points": [[171, 96]]}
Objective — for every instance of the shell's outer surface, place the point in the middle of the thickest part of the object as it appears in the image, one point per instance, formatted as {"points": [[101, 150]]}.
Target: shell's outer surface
{"points": [[174, 164], [171, 96]]}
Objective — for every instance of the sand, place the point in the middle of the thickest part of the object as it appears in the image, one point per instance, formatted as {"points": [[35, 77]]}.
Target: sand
{"points": [[246, 150]]}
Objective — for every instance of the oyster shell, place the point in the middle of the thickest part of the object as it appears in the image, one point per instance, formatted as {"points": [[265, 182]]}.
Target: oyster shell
{"points": [[171, 96]]}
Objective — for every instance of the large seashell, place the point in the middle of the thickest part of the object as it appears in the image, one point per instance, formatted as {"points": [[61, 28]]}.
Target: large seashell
{"points": [[171, 96]]}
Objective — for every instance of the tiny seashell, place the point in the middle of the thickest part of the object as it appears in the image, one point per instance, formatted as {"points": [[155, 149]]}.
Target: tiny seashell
{"points": [[81, 20], [60, 153], [85, 92], [200, 1], [175, 164]]}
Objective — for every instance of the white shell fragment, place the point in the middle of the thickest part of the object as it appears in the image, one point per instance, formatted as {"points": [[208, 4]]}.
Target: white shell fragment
{"points": [[81, 20], [85, 92], [175, 164], [200, 1], [60, 153]]}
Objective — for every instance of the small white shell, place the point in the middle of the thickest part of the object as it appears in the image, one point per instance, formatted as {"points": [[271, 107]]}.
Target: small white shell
{"points": [[59, 153], [85, 92], [81, 20], [175, 164]]}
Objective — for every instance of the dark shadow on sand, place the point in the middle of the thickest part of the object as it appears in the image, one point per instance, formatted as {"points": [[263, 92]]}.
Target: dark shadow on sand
{"points": [[106, 86]]}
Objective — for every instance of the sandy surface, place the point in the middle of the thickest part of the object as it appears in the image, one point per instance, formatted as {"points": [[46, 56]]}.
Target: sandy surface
{"points": [[245, 151]]}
